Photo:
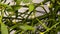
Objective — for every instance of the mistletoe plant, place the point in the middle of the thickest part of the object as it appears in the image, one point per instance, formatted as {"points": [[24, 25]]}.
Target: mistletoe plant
{"points": [[49, 23]]}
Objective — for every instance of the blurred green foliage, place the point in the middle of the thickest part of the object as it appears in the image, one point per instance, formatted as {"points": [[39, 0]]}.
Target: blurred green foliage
{"points": [[30, 25]]}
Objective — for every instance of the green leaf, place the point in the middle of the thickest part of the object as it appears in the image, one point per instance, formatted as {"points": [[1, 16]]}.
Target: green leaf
{"points": [[18, 2], [6, 7], [4, 29], [9, 10], [23, 27], [31, 7], [27, 27], [16, 7]]}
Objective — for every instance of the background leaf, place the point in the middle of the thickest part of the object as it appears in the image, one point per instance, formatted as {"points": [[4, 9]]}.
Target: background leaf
{"points": [[16, 7], [18, 1], [31, 7], [27, 27], [4, 29]]}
